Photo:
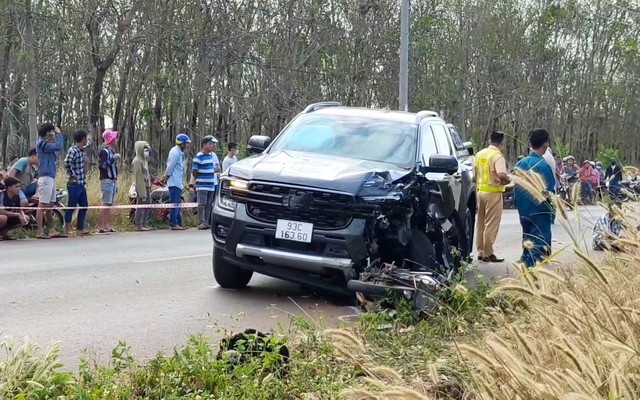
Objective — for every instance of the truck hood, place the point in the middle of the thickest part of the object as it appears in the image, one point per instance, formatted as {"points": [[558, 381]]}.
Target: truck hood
{"points": [[315, 170]]}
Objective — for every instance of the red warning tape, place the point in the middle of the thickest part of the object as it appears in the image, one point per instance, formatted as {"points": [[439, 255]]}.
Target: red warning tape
{"points": [[116, 206]]}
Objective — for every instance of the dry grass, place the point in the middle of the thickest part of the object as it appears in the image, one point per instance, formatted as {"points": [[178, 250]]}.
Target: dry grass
{"points": [[552, 332], [581, 337]]}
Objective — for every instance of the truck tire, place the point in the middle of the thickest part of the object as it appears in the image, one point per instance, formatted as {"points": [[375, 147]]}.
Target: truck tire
{"points": [[229, 276], [469, 228], [420, 250], [459, 235]]}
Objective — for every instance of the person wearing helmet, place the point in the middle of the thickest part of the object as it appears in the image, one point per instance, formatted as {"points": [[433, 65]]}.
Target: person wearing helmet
{"points": [[571, 169], [173, 176]]}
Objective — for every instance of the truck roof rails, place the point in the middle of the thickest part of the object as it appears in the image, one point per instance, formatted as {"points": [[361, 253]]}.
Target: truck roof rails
{"points": [[424, 114], [323, 104]]}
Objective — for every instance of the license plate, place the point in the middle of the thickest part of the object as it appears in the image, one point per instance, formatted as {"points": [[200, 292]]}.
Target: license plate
{"points": [[294, 231]]}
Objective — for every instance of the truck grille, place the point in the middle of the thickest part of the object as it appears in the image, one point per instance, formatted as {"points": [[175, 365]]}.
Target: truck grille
{"points": [[325, 210]]}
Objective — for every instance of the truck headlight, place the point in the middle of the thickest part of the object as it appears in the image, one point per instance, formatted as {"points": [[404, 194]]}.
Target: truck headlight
{"points": [[224, 196], [226, 202]]}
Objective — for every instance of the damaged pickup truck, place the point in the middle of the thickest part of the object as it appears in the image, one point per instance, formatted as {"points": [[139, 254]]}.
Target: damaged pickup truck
{"points": [[341, 197]]}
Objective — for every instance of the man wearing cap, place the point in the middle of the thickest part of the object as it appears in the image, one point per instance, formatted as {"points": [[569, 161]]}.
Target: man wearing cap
{"points": [[491, 177], [174, 176], [108, 166], [205, 167]]}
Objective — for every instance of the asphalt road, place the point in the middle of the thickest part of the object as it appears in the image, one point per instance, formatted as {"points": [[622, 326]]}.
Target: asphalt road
{"points": [[154, 289]]}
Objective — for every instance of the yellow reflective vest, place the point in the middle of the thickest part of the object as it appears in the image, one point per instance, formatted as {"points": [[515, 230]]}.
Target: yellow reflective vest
{"points": [[483, 170]]}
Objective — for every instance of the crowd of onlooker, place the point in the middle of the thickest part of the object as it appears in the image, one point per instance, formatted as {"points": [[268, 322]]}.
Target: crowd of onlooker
{"points": [[30, 181]]}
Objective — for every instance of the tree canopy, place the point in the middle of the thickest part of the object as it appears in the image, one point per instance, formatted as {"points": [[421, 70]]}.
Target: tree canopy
{"points": [[236, 68]]}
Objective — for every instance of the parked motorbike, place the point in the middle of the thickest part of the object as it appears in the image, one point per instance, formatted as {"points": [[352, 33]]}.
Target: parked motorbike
{"points": [[634, 187], [159, 195], [629, 191], [57, 217]]}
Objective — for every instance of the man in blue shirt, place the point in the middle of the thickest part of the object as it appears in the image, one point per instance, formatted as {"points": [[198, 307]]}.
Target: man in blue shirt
{"points": [[536, 217], [205, 167], [174, 176], [50, 142]]}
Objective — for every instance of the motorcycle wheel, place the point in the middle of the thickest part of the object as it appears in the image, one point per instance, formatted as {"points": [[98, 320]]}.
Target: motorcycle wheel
{"points": [[57, 220]]}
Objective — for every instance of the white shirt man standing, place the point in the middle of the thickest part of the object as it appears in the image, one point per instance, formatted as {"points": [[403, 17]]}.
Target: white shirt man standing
{"points": [[230, 158]]}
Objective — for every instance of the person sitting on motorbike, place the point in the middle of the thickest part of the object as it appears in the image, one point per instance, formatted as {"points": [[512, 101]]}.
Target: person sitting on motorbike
{"points": [[11, 200], [608, 228], [589, 179], [570, 169]]}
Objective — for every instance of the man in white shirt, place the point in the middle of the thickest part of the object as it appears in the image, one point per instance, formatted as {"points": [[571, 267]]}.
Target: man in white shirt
{"points": [[231, 158], [551, 160]]}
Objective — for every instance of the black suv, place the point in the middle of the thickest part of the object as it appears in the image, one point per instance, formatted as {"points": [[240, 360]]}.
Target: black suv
{"points": [[338, 188]]}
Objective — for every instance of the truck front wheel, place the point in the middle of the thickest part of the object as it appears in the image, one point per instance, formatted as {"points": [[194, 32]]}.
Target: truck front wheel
{"points": [[229, 276]]}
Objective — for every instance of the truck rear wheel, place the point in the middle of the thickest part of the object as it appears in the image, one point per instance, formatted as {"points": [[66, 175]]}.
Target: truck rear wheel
{"points": [[229, 276]]}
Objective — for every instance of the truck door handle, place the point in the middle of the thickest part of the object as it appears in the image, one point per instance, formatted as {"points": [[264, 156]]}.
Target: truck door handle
{"points": [[457, 176]]}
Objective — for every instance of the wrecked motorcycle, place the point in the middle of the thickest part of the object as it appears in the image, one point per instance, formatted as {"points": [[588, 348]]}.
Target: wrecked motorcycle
{"points": [[431, 256]]}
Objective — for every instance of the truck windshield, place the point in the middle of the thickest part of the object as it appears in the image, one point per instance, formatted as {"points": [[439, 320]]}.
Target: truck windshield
{"points": [[353, 137]]}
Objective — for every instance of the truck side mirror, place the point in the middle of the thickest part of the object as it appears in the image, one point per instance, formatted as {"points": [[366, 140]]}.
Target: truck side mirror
{"points": [[469, 147], [441, 164], [257, 144]]}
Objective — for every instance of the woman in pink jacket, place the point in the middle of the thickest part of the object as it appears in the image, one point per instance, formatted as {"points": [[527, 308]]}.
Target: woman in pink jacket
{"points": [[590, 179]]}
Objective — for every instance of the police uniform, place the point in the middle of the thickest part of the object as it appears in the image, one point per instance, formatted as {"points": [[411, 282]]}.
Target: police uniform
{"points": [[490, 163]]}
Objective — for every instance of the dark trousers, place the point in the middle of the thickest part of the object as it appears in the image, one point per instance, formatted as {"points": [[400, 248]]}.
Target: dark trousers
{"points": [[588, 192], [30, 190], [205, 206], [614, 188], [175, 197], [77, 198], [142, 214], [536, 238]]}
